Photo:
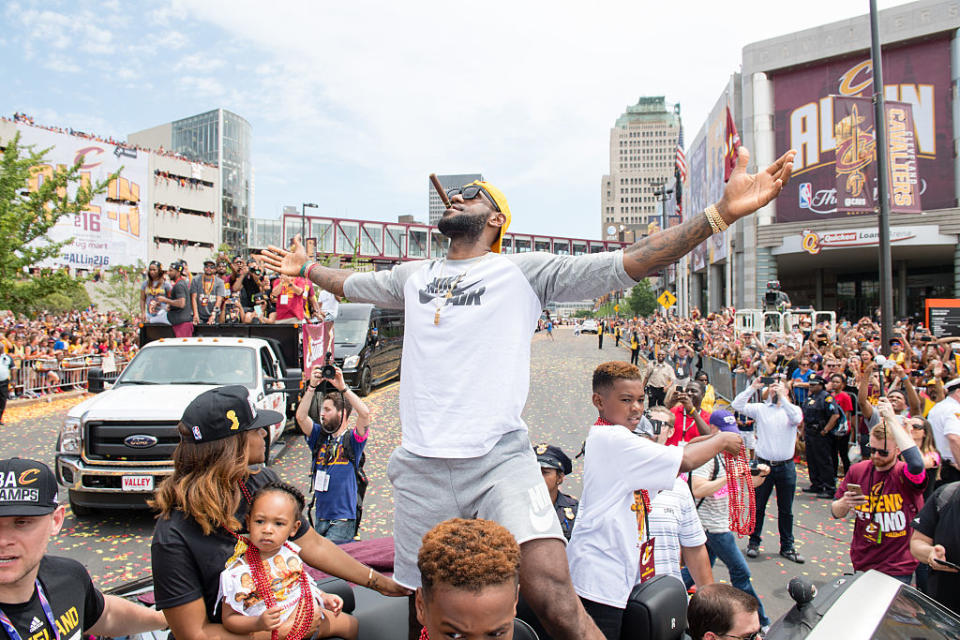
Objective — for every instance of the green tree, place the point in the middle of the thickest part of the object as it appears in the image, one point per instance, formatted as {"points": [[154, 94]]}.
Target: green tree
{"points": [[642, 300], [33, 197], [122, 288], [583, 313]]}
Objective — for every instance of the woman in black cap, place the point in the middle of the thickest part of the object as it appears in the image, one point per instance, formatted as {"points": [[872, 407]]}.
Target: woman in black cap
{"points": [[203, 504]]}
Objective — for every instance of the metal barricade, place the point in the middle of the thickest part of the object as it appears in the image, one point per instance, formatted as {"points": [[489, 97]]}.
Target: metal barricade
{"points": [[38, 377], [720, 377]]}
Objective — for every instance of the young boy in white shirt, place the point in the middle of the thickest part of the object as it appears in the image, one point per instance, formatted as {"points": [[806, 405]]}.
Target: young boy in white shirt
{"points": [[622, 472]]}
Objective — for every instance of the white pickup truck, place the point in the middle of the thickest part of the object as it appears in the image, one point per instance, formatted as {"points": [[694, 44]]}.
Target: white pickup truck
{"points": [[114, 448]]}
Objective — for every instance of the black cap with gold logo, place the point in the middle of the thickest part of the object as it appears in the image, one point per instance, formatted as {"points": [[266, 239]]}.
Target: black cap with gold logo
{"points": [[27, 488], [224, 412]]}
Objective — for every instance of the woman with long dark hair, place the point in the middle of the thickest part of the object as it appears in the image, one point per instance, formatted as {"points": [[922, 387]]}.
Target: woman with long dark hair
{"points": [[202, 505]]}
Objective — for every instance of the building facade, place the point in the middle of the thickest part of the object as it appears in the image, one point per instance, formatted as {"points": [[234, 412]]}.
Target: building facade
{"points": [[783, 98], [159, 207], [222, 138], [643, 144], [449, 182]]}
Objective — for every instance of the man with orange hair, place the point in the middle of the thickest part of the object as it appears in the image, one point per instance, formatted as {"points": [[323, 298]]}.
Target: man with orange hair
{"points": [[465, 373]]}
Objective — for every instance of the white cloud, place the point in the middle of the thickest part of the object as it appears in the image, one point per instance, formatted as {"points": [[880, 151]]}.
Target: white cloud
{"points": [[199, 63], [393, 91]]}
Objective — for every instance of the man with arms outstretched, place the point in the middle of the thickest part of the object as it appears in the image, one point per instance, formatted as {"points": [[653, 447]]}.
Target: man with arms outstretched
{"points": [[469, 319]]}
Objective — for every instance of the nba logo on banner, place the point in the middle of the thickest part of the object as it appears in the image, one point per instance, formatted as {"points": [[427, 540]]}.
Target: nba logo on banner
{"points": [[806, 195]]}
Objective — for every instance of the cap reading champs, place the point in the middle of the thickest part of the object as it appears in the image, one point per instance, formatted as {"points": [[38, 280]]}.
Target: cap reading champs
{"points": [[27, 488], [224, 412]]}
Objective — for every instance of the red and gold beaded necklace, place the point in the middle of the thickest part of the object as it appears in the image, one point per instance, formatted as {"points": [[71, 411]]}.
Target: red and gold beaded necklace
{"points": [[303, 617], [742, 501]]}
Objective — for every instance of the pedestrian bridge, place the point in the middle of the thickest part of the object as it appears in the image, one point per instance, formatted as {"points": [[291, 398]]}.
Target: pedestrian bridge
{"points": [[400, 241]]}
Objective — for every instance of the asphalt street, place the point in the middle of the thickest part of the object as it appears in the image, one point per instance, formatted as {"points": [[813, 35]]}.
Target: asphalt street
{"points": [[115, 545]]}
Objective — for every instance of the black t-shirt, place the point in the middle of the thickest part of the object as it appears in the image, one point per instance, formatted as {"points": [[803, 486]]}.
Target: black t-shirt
{"points": [[181, 289], [249, 288], [76, 603], [681, 366], [943, 526], [187, 563]]}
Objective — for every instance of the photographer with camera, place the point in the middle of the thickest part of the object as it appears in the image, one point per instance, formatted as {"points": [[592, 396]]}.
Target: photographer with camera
{"points": [[336, 452], [776, 421], [248, 282]]}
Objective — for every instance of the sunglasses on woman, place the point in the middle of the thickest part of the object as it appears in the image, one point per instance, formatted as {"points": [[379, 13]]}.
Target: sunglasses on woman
{"points": [[470, 192]]}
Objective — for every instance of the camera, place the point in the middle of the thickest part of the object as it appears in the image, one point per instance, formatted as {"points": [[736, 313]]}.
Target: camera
{"points": [[328, 371], [257, 298]]}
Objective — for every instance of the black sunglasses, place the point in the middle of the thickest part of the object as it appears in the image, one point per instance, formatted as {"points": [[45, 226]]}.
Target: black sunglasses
{"points": [[756, 635], [883, 453], [470, 192]]}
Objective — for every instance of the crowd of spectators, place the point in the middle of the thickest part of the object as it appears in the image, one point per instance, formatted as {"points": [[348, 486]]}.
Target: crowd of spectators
{"points": [[884, 418], [22, 118], [46, 350]]}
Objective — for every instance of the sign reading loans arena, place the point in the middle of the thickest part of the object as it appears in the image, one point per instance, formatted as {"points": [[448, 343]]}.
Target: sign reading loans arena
{"points": [[112, 231], [813, 242], [917, 74]]}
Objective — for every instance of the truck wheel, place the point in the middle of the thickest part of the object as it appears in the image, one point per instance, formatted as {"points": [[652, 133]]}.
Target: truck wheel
{"points": [[365, 382], [79, 510]]}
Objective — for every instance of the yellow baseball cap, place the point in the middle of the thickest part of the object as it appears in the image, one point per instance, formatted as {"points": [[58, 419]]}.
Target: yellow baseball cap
{"points": [[501, 201]]}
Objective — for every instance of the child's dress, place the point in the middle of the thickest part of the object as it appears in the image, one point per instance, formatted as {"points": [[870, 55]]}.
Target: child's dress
{"points": [[238, 589]]}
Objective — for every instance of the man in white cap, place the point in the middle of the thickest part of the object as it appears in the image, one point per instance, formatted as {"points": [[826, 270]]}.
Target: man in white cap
{"points": [[945, 420]]}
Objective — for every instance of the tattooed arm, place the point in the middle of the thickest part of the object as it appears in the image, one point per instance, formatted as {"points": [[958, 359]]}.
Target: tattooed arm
{"points": [[744, 194]]}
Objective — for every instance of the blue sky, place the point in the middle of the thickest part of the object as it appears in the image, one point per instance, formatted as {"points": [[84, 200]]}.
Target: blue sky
{"points": [[353, 104]]}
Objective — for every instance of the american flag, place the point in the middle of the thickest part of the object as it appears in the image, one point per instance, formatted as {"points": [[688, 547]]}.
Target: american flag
{"points": [[681, 163], [680, 172]]}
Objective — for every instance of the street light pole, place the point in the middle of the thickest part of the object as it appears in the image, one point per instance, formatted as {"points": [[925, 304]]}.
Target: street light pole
{"points": [[662, 193], [303, 219], [883, 219]]}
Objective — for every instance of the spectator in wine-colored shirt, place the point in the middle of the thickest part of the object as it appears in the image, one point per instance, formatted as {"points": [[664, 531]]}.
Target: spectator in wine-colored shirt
{"points": [[886, 495]]}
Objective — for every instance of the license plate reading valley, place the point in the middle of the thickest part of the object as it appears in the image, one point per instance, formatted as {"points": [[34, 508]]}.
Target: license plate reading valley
{"points": [[137, 483]]}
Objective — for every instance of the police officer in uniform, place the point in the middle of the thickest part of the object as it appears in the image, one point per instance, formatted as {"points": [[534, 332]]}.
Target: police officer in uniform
{"points": [[554, 465], [820, 416]]}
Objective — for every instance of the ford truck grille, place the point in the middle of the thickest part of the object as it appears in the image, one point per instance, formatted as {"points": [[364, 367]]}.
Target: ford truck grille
{"points": [[130, 441]]}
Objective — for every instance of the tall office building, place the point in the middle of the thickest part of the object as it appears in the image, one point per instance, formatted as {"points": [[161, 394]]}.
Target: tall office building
{"points": [[448, 182], [643, 145], [219, 137]]}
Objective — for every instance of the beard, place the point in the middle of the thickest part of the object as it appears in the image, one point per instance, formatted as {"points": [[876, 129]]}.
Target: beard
{"points": [[330, 426], [462, 226]]}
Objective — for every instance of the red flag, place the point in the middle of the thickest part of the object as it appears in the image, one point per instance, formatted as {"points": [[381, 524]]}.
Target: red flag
{"points": [[731, 147]]}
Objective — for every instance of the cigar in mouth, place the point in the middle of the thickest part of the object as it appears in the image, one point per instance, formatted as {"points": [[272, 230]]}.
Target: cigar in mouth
{"points": [[439, 187]]}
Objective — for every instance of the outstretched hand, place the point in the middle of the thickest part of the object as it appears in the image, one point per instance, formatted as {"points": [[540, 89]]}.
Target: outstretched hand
{"points": [[285, 262], [745, 193]]}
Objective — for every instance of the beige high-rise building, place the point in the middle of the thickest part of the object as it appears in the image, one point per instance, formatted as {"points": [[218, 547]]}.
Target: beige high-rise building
{"points": [[643, 146]]}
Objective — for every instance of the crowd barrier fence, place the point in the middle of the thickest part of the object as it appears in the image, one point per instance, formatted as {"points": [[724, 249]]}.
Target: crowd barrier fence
{"points": [[36, 377]]}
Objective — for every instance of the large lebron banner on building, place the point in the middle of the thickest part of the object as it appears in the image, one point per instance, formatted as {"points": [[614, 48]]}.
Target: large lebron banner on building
{"points": [[917, 74], [113, 229]]}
